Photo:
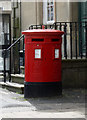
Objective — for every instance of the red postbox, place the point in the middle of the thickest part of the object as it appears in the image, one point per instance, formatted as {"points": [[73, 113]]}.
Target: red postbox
{"points": [[42, 62]]}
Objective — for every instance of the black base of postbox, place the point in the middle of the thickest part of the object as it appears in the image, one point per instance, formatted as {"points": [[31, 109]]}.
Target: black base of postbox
{"points": [[42, 89]]}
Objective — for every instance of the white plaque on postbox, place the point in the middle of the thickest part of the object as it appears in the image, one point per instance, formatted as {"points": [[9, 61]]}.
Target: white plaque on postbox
{"points": [[37, 53], [56, 53]]}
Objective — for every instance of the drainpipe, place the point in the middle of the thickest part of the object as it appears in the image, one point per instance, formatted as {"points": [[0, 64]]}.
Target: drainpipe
{"points": [[14, 32], [20, 17], [14, 16]]}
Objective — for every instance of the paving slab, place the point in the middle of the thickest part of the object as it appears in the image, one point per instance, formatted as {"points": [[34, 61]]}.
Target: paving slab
{"points": [[70, 105]]}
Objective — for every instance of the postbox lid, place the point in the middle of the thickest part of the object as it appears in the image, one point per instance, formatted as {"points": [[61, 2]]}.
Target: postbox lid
{"points": [[50, 31]]}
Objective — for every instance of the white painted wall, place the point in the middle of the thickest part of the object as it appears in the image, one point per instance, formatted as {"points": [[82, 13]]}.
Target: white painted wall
{"points": [[6, 5]]}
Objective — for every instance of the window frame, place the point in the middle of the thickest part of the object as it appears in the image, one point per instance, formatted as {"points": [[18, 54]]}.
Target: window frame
{"points": [[45, 13]]}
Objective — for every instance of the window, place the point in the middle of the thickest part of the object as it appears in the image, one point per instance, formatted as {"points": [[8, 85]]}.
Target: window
{"points": [[48, 12], [5, 40]]}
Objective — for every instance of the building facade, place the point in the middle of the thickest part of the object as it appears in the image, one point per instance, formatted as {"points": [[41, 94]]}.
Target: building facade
{"points": [[49, 12], [5, 31], [18, 16]]}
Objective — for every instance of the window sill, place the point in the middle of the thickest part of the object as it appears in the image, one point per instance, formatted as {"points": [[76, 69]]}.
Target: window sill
{"points": [[50, 22]]}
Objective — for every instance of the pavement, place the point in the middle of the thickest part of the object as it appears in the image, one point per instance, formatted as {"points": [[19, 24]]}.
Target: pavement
{"points": [[70, 105]]}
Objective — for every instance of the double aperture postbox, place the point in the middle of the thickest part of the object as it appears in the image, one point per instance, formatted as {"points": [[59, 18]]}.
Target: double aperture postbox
{"points": [[42, 62]]}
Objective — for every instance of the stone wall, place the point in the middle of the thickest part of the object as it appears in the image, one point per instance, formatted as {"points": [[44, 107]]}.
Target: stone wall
{"points": [[74, 73]]}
